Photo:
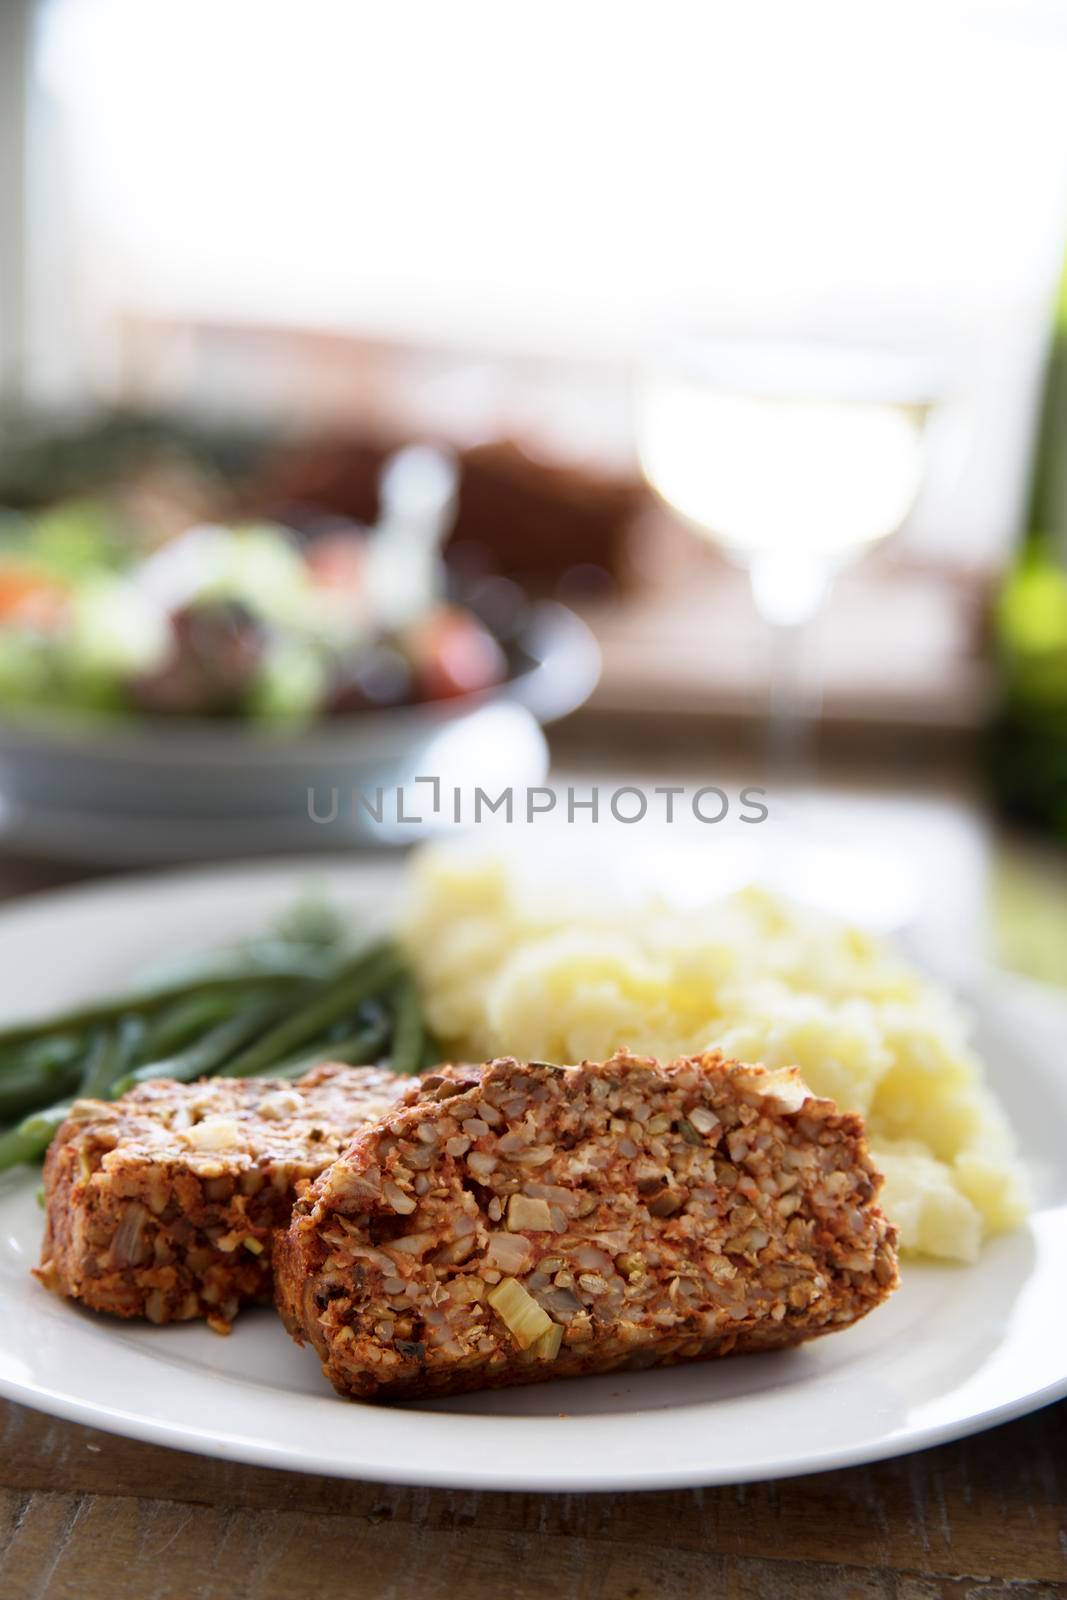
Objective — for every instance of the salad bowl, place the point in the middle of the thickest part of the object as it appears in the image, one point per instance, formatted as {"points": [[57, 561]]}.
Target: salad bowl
{"points": [[126, 790]]}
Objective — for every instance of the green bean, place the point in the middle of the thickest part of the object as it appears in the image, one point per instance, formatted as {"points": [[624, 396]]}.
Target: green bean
{"points": [[355, 1051], [108, 1053], [129, 1041], [289, 1071], [23, 1089], [313, 920], [145, 1002], [48, 1055], [209, 1052], [405, 1056], [93, 1067], [371, 1013], [32, 1136], [277, 1010], [110, 1056], [432, 1051], [44, 1070], [179, 1024], [358, 981], [260, 962]]}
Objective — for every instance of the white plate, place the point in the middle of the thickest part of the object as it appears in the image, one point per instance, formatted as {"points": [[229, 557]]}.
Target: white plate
{"points": [[956, 1349]]}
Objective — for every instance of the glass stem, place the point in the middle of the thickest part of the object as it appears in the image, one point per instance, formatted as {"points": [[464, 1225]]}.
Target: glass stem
{"points": [[790, 709], [788, 590]]}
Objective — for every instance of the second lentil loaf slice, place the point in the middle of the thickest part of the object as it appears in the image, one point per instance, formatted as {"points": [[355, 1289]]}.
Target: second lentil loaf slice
{"points": [[518, 1222], [164, 1204]]}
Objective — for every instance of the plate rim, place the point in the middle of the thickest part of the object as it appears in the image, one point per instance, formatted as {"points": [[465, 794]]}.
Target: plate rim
{"points": [[292, 1458]]}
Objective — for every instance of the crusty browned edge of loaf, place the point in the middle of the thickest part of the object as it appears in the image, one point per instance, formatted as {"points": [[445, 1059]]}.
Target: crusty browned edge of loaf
{"points": [[684, 1211], [141, 1229]]}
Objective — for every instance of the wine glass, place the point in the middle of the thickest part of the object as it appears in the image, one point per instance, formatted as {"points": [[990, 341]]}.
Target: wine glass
{"points": [[793, 456]]}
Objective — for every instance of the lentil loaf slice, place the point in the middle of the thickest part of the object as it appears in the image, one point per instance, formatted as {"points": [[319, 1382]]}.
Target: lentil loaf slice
{"points": [[164, 1204], [520, 1222]]}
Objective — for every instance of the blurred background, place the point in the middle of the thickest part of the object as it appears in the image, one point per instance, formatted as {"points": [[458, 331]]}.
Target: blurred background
{"points": [[380, 385]]}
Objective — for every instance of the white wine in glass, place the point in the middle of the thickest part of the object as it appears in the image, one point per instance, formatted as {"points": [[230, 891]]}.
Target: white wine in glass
{"points": [[793, 457]]}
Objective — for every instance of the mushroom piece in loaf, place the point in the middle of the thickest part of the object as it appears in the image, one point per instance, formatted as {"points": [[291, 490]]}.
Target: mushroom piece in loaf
{"points": [[518, 1222], [163, 1204]]}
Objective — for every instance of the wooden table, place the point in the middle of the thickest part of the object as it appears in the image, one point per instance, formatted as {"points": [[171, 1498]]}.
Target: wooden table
{"points": [[84, 1516]]}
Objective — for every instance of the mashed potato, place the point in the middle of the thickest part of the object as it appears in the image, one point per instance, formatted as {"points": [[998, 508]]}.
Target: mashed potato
{"points": [[509, 966]]}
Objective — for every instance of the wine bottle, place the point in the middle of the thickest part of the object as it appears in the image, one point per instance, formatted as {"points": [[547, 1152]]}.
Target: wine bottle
{"points": [[1028, 745]]}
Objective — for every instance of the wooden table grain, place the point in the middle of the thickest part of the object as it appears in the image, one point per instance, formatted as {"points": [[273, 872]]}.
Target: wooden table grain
{"points": [[85, 1515], [88, 1516]]}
